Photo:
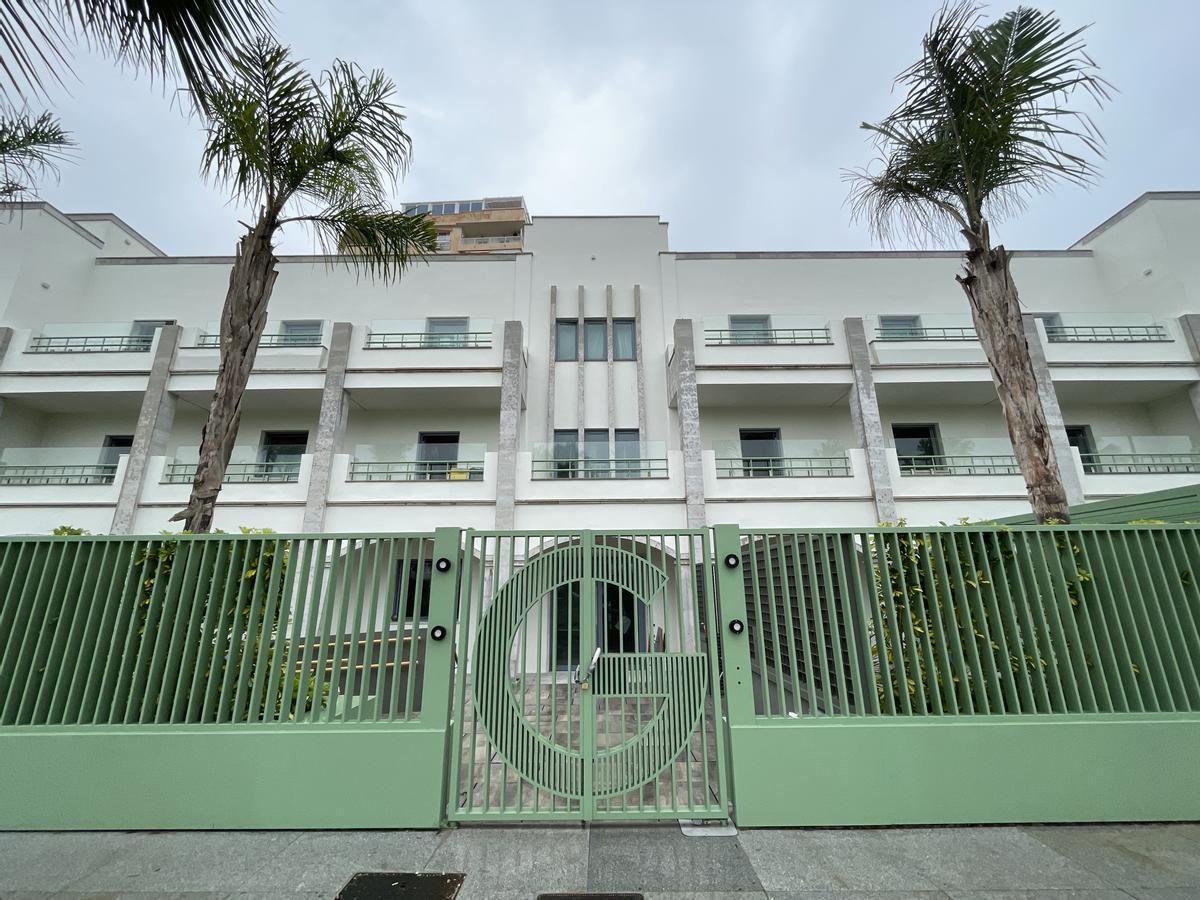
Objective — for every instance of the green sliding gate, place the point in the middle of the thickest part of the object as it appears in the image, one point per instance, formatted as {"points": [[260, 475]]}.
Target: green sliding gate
{"points": [[587, 684]]}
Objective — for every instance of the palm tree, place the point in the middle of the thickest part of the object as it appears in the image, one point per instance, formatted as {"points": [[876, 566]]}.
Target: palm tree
{"points": [[30, 148], [192, 36], [317, 151], [987, 121]]}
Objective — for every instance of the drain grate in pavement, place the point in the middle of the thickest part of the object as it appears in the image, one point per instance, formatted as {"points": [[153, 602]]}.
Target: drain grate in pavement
{"points": [[407, 885]]}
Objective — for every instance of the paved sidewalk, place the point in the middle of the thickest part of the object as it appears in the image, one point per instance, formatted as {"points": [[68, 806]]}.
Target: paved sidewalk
{"points": [[1090, 862]]}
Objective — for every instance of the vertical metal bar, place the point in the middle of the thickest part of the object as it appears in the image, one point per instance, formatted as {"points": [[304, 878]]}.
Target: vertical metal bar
{"points": [[1011, 700], [463, 645], [1065, 612], [1060, 639], [919, 619], [65, 634], [86, 642], [215, 639], [369, 664], [885, 699], [136, 636], [264, 632], [97, 688], [938, 588], [1184, 687], [866, 700], [203, 596], [21, 649], [238, 625], [181, 597], [1127, 630], [1049, 693], [1159, 662], [910, 639], [283, 657], [891, 652], [354, 632], [1112, 661]]}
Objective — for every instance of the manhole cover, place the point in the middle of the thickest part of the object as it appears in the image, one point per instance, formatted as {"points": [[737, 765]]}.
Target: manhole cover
{"points": [[387, 885]]}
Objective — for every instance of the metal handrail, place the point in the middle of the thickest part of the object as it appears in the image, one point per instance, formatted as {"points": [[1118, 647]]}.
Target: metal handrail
{"points": [[1139, 463], [1000, 464], [723, 337], [965, 333], [416, 470], [177, 472], [91, 343], [97, 473], [267, 340], [782, 466], [425, 340], [1107, 333], [489, 239], [629, 467]]}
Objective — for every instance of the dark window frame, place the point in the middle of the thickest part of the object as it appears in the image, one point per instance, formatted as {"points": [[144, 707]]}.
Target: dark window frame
{"points": [[630, 324], [560, 346], [590, 325]]}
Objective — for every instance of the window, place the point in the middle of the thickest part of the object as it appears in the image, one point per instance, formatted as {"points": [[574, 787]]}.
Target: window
{"points": [[566, 340], [916, 445], [762, 449], [411, 593], [447, 332], [566, 626], [624, 339], [437, 454], [898, 328], [114, 447], [595, 339], [627, 451], [566, 452], [1080, 437], [595, 452], [443, 240], [750, 329], [280, 453], [300, 333]]}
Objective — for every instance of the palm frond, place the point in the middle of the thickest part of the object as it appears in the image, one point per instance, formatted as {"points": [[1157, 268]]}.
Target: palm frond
{"points": [[191, 37], [986, 121], [31, 148], [372, 240]]}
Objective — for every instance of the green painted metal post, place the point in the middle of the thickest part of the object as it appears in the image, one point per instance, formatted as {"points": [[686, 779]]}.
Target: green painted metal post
{"points": [[731, 594], [437, 680]]}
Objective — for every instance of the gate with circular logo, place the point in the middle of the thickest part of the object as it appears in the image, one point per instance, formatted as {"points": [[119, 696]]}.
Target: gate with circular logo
{"points": [[586, 683]]}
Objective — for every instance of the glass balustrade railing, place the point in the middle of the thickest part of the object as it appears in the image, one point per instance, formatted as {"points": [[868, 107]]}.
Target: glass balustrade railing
{"points": [[417, 462], [104, 341], [1141, 455], [57, 465], [962, 456], [757, 330], [429, 334], [644, 459], [247, 465], [278, 339], [781, 459]]}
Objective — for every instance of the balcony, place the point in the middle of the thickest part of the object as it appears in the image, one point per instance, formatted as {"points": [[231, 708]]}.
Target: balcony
{"points": [[375, 463], [416, 336], [1140, 463], [1107, 334], [723, 337], [24, 466], [301, 339], [91, 343], [917, 340], [562, 461], [491, 242], [244, 467], [973, 464], [953, 333], [778, 459]]}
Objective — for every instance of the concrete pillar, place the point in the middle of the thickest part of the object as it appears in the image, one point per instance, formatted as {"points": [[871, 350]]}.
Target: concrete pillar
{"points": [[868, 424], [640, 353], [610, 374], [687, 405], [580, 351], [552, 357], [1072, 486], [512, 403], [331, 426], [155, 419]]}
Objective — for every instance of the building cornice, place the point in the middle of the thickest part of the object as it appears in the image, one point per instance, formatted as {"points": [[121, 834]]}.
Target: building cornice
{"points": [[1130, 207], [121, 223], [55, 213]]}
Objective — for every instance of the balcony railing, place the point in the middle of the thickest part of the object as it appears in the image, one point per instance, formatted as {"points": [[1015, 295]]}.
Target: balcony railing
{"points": [[490, 239], [268, 340], [97, 473], [91, 343], [1140, 463], [722, 337], [782, 466], [1103, 334], [426, 340], [177, 472], [959, 465], [416, 470], [926, 334], [643, 460]]}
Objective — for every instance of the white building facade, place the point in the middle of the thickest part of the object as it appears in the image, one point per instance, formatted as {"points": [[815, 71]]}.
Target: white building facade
{"points": [[576, 372]]}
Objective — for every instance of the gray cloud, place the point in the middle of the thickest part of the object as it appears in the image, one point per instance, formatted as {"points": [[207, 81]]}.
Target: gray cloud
{"points": [[731, 120]]}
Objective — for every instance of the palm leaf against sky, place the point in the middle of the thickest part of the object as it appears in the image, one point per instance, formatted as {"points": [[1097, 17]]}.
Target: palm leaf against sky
{"points": [[189, 36], [30, 149], [989, 117]]}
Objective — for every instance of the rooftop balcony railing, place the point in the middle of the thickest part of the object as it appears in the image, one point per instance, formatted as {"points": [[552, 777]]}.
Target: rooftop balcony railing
{"points": [[722, 337], [427, 340], [404, 463], [91, 343], [891, 333], [643, 460], [1104, 334], [780, 459], [243, 468], [454, 207], [54, 465], [489, 240], [996, 464], [301, 339]]}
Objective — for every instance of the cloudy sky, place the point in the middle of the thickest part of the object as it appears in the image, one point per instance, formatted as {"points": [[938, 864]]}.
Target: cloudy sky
{"points": [[733, 121]]}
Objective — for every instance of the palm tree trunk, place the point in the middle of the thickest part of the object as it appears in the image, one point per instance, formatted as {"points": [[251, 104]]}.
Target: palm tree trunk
{"points": [[243, 319], [996, 311]]}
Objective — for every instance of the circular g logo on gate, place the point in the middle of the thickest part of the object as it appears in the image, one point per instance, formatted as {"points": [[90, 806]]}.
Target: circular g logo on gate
{"points": [[679, 681]]}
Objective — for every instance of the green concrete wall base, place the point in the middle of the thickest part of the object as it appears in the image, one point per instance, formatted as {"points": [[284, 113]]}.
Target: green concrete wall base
{"points": [[180, 777], [1116, 768]]}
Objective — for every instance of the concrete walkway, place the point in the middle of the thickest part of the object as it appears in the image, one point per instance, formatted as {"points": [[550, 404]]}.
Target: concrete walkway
{"points": [[1101, 862]]}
